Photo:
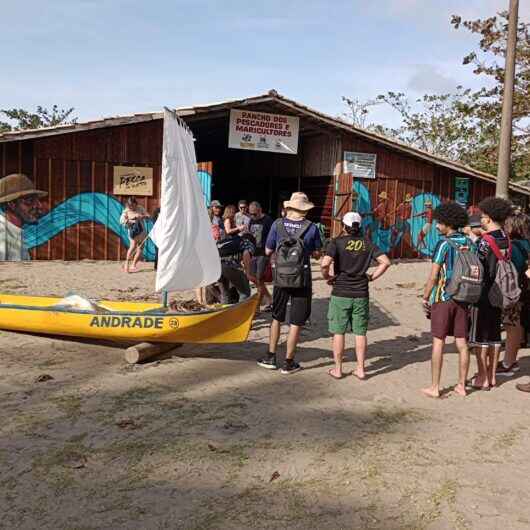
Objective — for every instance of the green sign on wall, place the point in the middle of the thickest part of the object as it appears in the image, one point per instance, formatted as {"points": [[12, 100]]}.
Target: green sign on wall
{"points": [[462, 191]]}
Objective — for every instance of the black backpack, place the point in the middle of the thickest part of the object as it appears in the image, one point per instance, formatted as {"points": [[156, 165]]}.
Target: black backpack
{"points": [[291, 269], [229, 246]]}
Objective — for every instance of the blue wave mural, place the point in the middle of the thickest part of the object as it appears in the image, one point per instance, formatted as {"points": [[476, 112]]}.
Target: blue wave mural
{"points": [[206, 184], [96, 207], [424, 239]]}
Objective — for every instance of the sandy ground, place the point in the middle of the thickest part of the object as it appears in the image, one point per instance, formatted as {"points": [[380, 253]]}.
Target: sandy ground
{"points": [[204, 439]]}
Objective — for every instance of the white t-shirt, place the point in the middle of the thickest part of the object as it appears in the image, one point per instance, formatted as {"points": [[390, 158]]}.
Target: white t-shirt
{"points": [[12, 246], [242, 219], [128, 214]]}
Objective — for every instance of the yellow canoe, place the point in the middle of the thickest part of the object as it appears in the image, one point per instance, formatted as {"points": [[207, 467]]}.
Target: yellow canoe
{"points": [[126, 321]]}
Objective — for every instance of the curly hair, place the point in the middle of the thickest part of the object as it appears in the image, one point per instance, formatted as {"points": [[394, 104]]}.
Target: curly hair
{"points": [[451, 214], [498, 209], [517, 226]]}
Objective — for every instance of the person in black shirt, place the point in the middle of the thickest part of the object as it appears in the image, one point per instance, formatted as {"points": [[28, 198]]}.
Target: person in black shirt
{"points": [[351, 256], [235, 271], [260, 226], [485, 334]]}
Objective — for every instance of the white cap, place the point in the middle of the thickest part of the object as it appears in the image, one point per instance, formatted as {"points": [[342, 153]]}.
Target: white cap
{"points": [[352, 217]]}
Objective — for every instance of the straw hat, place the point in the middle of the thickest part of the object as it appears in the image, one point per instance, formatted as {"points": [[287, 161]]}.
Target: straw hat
{"points": [[17, 185], [299, 201], [383, 195], [408, 197]]}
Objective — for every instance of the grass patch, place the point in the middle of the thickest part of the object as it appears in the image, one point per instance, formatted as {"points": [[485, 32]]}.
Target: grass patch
{"points": [[444, 495], [508, 439], [69, 405], [387, 419]]}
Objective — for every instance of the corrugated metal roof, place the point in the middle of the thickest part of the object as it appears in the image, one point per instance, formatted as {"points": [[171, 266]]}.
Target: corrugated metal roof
{"points": [[270, 97]]}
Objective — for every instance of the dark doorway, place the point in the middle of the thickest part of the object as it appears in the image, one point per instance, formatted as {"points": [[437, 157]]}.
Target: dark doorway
{"points": [[240, 174]]}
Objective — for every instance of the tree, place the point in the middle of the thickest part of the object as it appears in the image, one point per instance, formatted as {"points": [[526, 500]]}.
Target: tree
{"points": [[465, 125], [493, 34], [42, 117], [358, 111], [440, 124]]}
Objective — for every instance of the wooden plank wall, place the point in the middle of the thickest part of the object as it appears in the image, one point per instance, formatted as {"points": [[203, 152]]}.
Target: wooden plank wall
{"points": [[319, 155], [69, 164], [398, 174]]}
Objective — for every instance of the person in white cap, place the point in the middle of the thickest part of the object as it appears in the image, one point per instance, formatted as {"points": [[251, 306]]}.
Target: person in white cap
{"points": [[351, 255], [294, 240]]}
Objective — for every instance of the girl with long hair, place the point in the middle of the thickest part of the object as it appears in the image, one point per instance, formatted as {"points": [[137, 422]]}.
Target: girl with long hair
{"points": [[132, 218]]}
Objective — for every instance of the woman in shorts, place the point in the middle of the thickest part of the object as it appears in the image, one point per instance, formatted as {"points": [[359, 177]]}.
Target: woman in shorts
{"points": [[132, 218]]}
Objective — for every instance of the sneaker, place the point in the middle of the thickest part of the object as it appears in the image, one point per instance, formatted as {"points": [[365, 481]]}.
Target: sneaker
{"points": [[507, 371], [290, 367], [268, 362]]}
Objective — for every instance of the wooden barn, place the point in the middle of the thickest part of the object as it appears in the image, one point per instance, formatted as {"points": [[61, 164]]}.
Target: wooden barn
{"points": [[87, 169]]}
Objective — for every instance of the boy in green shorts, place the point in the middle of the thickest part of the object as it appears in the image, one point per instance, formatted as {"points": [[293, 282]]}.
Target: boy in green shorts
{"points": [[351, 255]]}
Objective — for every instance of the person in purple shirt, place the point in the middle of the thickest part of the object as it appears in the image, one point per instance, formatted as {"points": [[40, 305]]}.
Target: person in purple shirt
{"points": [[297, 209]]}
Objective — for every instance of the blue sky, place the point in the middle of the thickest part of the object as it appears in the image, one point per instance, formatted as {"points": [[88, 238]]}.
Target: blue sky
{"points": [[113, 57]]}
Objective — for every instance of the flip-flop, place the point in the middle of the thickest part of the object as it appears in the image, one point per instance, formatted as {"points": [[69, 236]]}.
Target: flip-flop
{"points": [[469, 382], [334, 376]]}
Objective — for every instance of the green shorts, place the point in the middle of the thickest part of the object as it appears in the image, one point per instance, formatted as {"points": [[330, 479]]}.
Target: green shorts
{"points": [[348, 315]]}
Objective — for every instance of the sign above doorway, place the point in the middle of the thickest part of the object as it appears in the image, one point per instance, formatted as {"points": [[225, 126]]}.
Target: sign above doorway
{"points": [[262, 131]]}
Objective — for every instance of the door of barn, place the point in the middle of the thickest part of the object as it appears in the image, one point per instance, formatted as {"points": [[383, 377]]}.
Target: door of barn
{"points": [[204, 172], [342, 201]]}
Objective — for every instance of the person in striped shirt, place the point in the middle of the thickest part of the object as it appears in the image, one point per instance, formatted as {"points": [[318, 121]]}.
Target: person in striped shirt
{"points": [[448, 318]]}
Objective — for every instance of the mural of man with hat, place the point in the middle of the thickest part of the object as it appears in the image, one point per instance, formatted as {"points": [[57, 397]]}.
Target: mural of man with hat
{"points": [[380, 215], [19, 205], [427, 214], [403, 214]]}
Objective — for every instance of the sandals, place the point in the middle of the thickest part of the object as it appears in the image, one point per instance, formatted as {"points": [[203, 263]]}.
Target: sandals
{"points": [[470, 383]]}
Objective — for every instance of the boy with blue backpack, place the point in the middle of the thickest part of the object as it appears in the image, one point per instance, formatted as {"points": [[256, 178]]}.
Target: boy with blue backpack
{"points": [[293, 240], [454, 283]]}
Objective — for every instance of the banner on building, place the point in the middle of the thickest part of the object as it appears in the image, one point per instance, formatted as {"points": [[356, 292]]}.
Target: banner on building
{"points": [[360, 165], [462, 191], [262, 131], [133, 180]]}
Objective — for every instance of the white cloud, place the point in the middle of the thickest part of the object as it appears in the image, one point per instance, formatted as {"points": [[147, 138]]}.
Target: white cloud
{"points": [[427, 78]]}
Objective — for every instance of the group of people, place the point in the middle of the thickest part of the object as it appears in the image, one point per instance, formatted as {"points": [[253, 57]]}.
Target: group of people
{"points": [[241, 234], [478, 283]]}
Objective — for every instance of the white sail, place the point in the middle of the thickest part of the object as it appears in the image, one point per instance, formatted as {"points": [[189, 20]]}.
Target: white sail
{"points": [[187, 254]]}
